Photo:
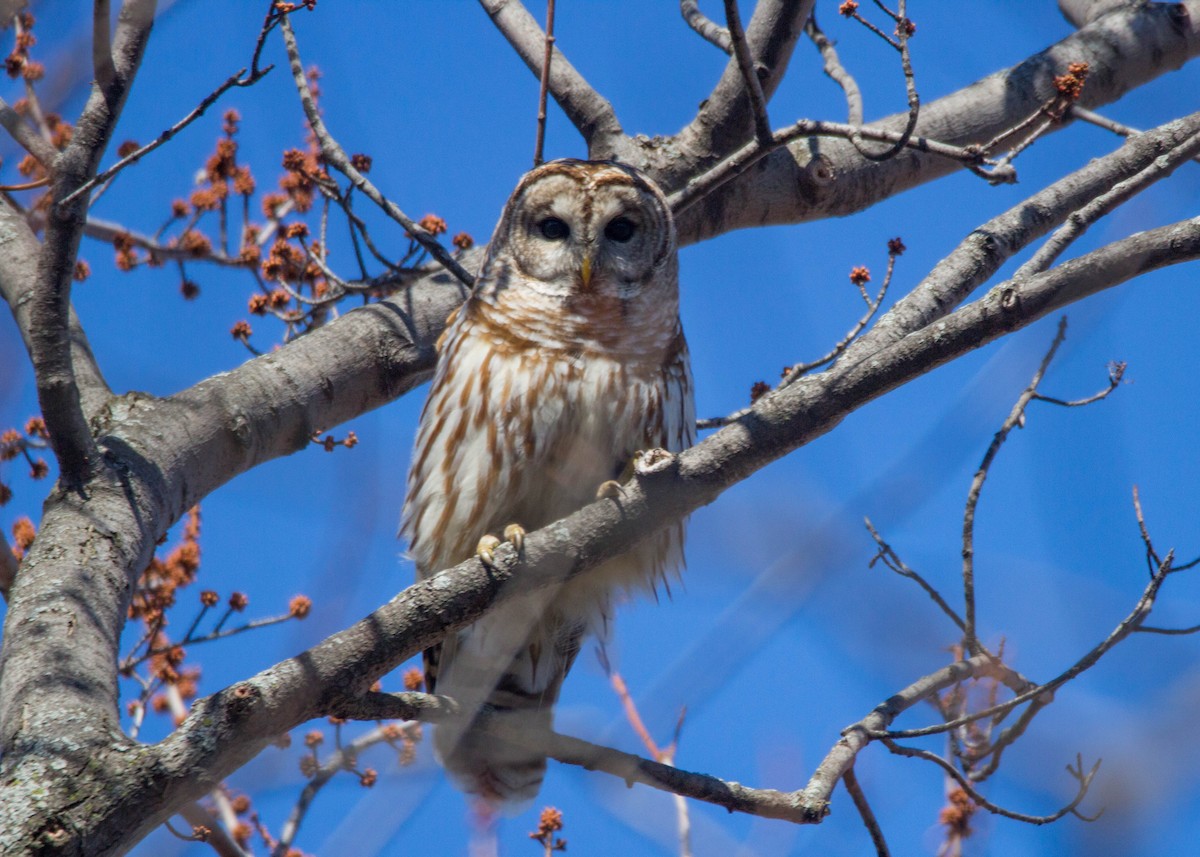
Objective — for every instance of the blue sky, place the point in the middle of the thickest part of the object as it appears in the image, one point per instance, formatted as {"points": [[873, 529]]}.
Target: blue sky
{"points": [[780, 635]]}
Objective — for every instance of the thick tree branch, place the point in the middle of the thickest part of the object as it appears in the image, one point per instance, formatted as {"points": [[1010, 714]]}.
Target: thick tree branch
{"points": [[588, 111], [50, 309], [19, 251], [1124, 50], [989, 246]]}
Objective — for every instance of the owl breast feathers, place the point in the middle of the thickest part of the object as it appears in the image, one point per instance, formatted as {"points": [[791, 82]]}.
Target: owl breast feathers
{"points": [[567, 358]]}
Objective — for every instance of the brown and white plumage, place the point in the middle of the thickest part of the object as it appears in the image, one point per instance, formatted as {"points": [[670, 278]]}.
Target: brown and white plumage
{"points": [[566, 360]]}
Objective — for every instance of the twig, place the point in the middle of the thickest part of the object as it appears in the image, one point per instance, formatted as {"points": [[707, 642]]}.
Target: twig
{"points": [[708, 30], [800, 369], [1084, 780], [850, 781], [218, 838], [336, 157], [904, 31], [890, 559], [587, 109], [746, 65], [345, 758], [1152, 558], [700, 186], [837, 72], [544, 86], [1015, 417], [165, 136]]}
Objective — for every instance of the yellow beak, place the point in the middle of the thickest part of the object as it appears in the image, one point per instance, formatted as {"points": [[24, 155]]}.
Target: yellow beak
{"points": [[585, 272]]}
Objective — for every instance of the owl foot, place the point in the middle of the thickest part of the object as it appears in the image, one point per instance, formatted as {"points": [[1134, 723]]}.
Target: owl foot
{"points": [[610, 489], [515, 533], [485, 548]]}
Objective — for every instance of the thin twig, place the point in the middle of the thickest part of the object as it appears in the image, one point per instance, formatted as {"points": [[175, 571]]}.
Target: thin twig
{"points": [[544, 86], [1084, 780], [972, 157], [165, 136], [850, 781], [345, 758], [336, 157], [837, 72], [749, 71], [1015, 417], [708, 30], [900, 44], [890, 559]]}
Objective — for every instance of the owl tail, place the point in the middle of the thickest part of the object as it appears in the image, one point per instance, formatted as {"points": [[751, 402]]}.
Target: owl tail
{"points": [[506, 670]]}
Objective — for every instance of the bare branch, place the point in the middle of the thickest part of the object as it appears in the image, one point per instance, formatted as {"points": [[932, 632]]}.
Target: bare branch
{"points": [[1127, 626], [1015, 417], [135, 156], [749, 72], [837, 72], [708, 30], [1124, 49], [993, 243], [891, 560], [850, 781], [1085, 782], [544, 85], [726, 118], [588, 111]]}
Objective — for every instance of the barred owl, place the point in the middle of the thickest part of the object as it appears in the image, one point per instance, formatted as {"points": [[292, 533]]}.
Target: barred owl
{"points": [[567, 358]]}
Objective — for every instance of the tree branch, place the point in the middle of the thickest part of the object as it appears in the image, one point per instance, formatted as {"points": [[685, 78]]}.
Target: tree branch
{"points": [[50, 309], [1124, 49]]}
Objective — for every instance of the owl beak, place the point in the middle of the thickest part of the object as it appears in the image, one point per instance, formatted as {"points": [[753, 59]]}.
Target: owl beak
{"points": [[585, 272]]}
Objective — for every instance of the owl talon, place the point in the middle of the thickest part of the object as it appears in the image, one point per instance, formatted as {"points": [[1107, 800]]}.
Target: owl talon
{"points": [[515, 533], [610, 489], [484, 550]]}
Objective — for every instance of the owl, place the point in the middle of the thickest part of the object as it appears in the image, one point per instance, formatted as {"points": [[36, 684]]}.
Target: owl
{"points": [[567, 359]]}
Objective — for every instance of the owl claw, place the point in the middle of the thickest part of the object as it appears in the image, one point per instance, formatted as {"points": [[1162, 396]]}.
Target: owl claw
{"points": [[515, 533], [484, 550], [610, 489]]}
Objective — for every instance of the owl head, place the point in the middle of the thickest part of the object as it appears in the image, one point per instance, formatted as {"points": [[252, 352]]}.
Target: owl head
{"points": [[574, 229]]}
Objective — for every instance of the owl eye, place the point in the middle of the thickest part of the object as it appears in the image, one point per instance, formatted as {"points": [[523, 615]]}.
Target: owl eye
{"points": [[554, 229], [620, 230]]}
